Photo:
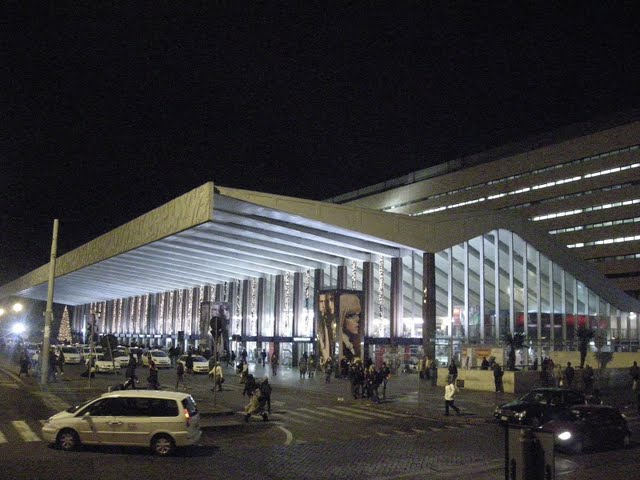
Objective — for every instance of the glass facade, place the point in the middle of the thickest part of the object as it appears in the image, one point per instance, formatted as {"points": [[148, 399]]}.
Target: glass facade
{"points": [[485, 287]]}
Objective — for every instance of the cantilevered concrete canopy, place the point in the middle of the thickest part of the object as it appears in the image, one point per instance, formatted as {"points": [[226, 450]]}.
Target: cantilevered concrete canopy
{"points": [[216, 234]]}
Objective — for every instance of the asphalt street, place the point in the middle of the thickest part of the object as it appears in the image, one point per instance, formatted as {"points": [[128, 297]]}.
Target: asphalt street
{"points": [[316, 431]]}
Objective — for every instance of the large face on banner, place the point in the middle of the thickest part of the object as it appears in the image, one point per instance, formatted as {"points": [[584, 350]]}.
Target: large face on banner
{"points": [[350, 320], [222, 310], [326, 323]]}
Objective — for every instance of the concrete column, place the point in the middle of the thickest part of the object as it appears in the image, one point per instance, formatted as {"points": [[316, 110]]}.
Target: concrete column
{"points": [[343, 275], [298, 302], [278, 304], [429, 304], [260, 311], [396, 300], [245, 305]]}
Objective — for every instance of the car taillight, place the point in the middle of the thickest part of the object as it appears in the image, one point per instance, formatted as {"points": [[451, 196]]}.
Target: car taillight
{"points": [[187, 416]]}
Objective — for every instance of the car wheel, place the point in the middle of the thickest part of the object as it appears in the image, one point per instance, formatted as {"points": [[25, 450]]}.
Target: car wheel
{"points": [[67, 440], [163, 445]]}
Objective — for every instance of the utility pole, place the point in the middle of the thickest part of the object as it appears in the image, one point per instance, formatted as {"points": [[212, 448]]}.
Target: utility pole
{"points": [[48, 314]]}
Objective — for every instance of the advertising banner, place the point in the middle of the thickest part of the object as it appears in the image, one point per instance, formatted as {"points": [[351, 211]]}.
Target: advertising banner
{"points": [[339, 326]]}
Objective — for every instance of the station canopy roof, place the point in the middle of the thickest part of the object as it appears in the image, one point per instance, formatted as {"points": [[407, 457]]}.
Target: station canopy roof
{"points": [[215, 234]]}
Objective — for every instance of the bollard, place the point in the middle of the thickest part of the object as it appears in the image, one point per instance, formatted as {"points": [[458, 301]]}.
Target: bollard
{"points": [[526, 459]]}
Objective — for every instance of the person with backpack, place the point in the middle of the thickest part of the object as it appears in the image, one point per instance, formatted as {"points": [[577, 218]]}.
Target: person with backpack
{"points": [[265, 390], [180, 376], [249, 386], [218, 377], [385, 373], [153, 375]]}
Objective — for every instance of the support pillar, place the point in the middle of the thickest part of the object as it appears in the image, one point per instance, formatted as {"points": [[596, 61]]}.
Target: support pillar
{"points": [[343, 274], [368, 312], [395, 313], [429, 304]]}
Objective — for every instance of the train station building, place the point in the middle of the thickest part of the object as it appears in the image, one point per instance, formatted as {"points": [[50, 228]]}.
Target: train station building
{"points": [[540, 237]]}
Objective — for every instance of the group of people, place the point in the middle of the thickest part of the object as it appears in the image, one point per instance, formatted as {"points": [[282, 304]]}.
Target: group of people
{"points": [[366, 379], [307, 365], [28, 363]]}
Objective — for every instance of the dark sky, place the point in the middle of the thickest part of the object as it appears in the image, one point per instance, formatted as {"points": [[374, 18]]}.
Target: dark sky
{"points": [[107, 114]]}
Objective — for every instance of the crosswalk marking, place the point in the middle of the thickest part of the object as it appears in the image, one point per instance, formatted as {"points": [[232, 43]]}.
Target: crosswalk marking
{"points": [[435, 429], [401, 432], [322, 414], [382, 434], [348, 414], [417, 430], [294, 417], [3, 439], [368, 412], [25, 432], [368, 409]]}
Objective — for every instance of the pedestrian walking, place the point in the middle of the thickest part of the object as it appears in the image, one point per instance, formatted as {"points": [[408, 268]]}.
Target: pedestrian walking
{"points": [[263, 355], [153, 375], [386, 376], [498, 373], [218, 376], [180, 376], [453, 371], [449, 393], [131, 373], [311, 368], [53, 359], [569, 375], [274, 363], [302, 365], [24, 363], [188, 363], [587, 378], [249, 386], [60, 362], [265, 391], [328, 369]]}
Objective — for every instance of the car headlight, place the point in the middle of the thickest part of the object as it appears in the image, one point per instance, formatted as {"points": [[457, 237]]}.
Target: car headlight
{"points": [[521, 414], [564, 436]]}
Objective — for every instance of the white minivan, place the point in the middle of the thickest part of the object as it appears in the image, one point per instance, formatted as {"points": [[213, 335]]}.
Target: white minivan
{"points": [[147, 418]]}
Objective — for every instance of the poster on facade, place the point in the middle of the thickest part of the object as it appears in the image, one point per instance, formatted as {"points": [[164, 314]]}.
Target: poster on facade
{"points": [[221, 312], [340, 324], [326, 324]]}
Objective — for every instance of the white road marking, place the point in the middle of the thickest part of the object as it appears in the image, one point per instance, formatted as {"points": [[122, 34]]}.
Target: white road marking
{"points": [[417, 430], [368, 412], [293, 417], [288, 434], [25, 432], [382, 434], [348, 414], [434, 429], [386, 412], [314, 412]]}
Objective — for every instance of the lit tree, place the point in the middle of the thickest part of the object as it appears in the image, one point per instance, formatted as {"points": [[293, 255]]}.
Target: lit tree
{"points": [[64, 334]]}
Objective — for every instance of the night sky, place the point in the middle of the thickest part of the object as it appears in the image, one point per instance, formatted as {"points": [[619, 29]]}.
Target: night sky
{"points": [[108, 114]]}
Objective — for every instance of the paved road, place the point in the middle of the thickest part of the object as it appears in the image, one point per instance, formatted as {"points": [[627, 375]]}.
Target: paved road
{"points": [[315, 431]]}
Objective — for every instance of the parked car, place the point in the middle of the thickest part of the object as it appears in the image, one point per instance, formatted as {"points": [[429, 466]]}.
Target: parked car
{"points": [[148, 418], [101, 364], [587, 427], [71, 354], [86, 351], [160, 358], [200, 364], [121, 358], [539, 406]]}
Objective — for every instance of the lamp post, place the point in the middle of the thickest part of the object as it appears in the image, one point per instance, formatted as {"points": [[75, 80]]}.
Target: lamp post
{"points": [[95, 316]]}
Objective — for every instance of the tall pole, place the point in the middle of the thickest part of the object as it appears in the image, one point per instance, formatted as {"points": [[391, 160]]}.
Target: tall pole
{"points": [[48, 314]]}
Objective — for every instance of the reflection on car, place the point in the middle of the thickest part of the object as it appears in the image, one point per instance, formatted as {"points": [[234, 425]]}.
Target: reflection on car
{"points": [[160, 358], [539, 406], [156, 419], [588, 427]]}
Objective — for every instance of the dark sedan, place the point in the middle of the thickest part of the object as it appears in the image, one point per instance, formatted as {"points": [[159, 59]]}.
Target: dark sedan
{"points": [[588, 427], [539, 406]]}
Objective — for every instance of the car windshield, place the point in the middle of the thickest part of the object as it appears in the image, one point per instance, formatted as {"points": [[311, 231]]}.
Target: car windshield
{"points": [[158, 354], [69, 350], [535, 397], [120, 353], [75, 408], [199, 359]]}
